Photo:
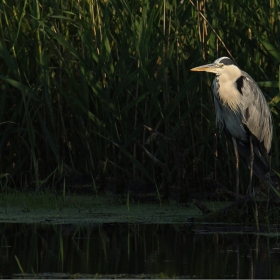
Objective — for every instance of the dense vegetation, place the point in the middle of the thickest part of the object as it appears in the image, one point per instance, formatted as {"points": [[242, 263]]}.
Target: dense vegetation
{"points": [[80, 79]]}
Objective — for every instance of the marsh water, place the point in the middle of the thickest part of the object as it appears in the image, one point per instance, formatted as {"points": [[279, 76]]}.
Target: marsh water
{"points": [[134, 251]]}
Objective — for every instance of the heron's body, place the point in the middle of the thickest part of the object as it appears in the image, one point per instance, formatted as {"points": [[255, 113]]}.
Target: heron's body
{"points": [[242, 111]]}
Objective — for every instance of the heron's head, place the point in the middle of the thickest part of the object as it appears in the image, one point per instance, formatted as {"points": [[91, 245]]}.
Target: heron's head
{"points": [[219, 66]]}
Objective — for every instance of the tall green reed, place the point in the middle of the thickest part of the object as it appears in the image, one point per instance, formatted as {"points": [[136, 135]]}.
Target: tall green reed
{"points": [[80, 79]]}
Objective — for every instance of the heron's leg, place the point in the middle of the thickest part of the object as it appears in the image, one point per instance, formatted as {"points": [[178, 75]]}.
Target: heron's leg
{"points": [[236, 167], [251, 165]]}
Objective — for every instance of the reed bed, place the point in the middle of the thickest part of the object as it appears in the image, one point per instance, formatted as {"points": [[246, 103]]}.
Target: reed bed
{"points": [[80, 79]]}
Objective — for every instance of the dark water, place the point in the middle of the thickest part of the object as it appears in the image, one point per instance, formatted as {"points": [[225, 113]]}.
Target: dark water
{"points": [[132, 250]]}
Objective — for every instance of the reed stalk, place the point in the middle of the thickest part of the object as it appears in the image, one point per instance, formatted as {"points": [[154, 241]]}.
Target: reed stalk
{"points": [[79, 79]]}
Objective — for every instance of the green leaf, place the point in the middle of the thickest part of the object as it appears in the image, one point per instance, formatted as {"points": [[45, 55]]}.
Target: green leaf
{"points": [[269, 84]]}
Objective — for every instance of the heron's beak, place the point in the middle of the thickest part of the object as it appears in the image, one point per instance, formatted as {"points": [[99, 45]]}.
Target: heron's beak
{"points": [[206, 68]]}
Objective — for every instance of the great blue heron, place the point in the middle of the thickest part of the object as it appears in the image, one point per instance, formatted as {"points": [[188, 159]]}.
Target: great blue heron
{"points": [[242, 111]]}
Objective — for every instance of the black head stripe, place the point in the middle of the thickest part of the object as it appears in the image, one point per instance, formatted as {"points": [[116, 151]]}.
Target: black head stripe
{"points": [[227, 61]]}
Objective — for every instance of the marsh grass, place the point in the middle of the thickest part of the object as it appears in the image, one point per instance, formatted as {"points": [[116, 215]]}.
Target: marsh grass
{"points": [[253, 214], [49, 208], [29, 201], [79, 79]]}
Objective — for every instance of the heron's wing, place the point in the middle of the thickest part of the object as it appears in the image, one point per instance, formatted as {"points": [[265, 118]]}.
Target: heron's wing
{"points": [[256, 113]]}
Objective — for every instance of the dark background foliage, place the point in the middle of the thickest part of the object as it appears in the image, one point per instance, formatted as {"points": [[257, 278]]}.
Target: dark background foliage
{"points": [[79, 79]]}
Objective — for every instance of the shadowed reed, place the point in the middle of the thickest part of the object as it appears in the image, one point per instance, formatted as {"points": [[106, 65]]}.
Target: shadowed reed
{"points": [[80, 79]]}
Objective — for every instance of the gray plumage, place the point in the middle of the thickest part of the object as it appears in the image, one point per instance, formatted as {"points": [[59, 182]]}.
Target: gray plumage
{"points": [[242, 111]]}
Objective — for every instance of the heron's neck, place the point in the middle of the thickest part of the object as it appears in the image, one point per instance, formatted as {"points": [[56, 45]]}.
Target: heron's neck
{"points": [[227, 90]]}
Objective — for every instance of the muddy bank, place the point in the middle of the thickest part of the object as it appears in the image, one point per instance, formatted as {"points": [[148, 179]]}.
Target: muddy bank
{"points": [[82, 209], [49, 208]]}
